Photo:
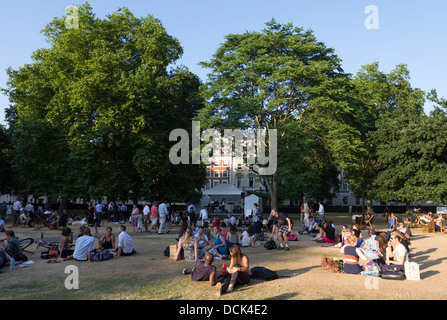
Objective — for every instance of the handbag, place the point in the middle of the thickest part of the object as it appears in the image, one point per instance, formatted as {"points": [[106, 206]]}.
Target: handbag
{"points": [[393, 275], [270, 244]]}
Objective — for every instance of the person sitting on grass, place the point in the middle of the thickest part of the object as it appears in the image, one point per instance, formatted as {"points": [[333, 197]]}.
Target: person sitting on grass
{"points": [[248, 237], [232, 236], [345, 234], [396, 253], [83, 247], [352, 254], [203, 270], [309, 226], [4, 259], [125, 244], [189, 243], [220, 245], [238, 271], [11, 246], [202, 239], [326, 234], [107, 241], [65, 242]]}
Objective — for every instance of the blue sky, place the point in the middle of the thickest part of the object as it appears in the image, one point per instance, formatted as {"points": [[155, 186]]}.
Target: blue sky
{"points": [[410, 32]]}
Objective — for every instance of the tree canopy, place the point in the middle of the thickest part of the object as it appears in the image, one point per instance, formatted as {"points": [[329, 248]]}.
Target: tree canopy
{"points": [[92, 113]]}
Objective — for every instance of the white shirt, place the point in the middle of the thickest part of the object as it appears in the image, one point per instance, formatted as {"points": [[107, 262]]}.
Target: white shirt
{"points": [[320, 209], [204, 214], [146, 210], [246, 239], [83, 246], [400, 252], [17, 205], [125, 242]]}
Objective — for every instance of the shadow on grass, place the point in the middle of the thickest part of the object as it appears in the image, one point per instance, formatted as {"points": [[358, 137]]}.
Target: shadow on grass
{"points": [[296, 272], [285, 296]]}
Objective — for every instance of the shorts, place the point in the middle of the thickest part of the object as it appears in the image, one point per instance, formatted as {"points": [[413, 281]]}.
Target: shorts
{"points": [[285, 229]]}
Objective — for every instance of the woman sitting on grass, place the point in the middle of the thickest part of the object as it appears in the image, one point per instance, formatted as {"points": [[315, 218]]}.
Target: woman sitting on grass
{"points": [[238, 271], [326, 234], [190, 247], [352, 255], [396, 253]]}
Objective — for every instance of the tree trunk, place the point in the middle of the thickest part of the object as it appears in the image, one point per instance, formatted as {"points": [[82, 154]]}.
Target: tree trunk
{"points": [[370, 208], [273, 187], [62, 205]]}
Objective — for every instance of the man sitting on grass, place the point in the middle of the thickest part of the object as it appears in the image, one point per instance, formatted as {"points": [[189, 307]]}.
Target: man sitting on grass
{"points": [[203, 270], [125, 244]]}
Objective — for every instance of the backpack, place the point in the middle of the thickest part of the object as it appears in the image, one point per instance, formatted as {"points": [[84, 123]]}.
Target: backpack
{"points": [[262, 273], [270, 244], [292, 237]]}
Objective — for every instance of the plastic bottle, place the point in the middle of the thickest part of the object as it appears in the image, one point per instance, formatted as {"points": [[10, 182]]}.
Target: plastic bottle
{"points": [[224, 269], [12, 264]]}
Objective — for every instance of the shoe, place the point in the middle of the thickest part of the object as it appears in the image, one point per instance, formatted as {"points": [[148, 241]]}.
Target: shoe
{"points": [[218, 289], [280, 248], [286, 248]]}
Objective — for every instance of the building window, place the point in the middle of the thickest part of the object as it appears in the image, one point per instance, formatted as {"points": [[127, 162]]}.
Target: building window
{"points": [[225, 174], [224, 181], [239, 166], [239, 181], [215, 183], [251, 181], [208, 173], [358, 201], [216, 174], [208, 184], [345, 200], [251, 166], [344, 186]]}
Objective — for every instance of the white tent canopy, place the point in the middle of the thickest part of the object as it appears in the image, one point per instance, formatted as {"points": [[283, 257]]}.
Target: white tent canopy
{"points": [[223, 190], [230, 193]]}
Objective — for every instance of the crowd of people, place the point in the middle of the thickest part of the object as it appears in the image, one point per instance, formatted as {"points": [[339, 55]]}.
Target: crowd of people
{"points": [[202, 239]]}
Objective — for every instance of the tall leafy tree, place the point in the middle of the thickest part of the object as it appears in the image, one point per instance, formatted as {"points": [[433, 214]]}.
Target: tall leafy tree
{"points": [[378, 98], [284, 79], [97, 107], [413, 157], [6, 176]]}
